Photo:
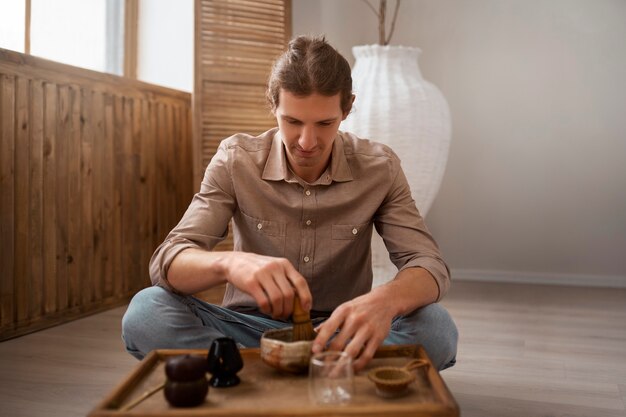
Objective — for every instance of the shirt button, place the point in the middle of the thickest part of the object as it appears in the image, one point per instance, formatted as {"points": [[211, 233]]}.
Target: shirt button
{"points": [[308, 222], [354, 231], [306, 259], [307, 192], [259, 226]]}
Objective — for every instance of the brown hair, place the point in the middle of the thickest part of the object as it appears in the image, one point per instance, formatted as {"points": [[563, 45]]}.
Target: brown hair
{"points": [[311, 65]]}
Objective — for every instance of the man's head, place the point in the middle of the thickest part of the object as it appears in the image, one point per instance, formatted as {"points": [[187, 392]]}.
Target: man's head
{"points": [[311, 65], [310, 91]]}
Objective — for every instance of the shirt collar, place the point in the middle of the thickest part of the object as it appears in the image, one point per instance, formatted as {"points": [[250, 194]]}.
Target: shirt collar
{"points": [[277, 168]]}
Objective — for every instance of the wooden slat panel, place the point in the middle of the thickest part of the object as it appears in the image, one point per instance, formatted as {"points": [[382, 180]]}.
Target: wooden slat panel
{"points": [[49, 199], [62, 195], [231, 108], [170, 144], [154, 172], [86, 181], [7, 199], [22, 187], [243, 31], [176, 122], [187, 131], [95, 172], [263, 49], [109, 238], [270, 10], [245, 18], [162, 173], [135, 154], [118, 115], [146, 178], [74, 199], [129, 207], [35, 207], [98, 232]]}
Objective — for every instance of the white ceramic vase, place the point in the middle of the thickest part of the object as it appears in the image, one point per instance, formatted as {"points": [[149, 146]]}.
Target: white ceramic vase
{"points": [[396, 106]]}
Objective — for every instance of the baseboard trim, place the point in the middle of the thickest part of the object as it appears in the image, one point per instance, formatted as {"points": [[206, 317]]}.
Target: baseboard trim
{"points": [[522, 277]]}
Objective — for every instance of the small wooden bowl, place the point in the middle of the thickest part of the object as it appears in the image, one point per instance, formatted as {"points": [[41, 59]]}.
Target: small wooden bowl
{"points": [[280, 352], [393, 381]]}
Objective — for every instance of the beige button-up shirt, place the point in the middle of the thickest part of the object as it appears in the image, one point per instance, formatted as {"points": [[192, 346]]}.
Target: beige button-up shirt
{"points": [[324, 229]]}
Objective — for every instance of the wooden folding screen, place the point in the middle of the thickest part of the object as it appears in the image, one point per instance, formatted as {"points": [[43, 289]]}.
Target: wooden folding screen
{"points": [[236, 42], [94, 171]]}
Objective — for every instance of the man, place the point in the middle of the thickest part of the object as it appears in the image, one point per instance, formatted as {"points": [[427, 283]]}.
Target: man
{"points": [[303, 199]]}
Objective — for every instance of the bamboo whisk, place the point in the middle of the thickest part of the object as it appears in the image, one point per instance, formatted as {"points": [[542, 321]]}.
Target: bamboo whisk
{"points": [[302, 326]]}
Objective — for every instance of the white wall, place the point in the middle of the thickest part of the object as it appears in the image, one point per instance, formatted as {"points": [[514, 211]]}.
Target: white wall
{"points": [[165, 55], [535, 187]]}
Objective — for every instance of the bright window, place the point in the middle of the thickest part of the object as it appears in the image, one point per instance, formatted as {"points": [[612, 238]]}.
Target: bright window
{"points": [[12, 24], [90, 34], [83, 33], [165, 47]]}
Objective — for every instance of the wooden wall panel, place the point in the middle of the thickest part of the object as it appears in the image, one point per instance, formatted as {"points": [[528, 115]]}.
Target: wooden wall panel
{"points": [[95, 170], [7, 200]]}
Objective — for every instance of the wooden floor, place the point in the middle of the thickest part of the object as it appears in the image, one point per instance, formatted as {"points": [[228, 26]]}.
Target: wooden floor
{"points": [[525, 350]]}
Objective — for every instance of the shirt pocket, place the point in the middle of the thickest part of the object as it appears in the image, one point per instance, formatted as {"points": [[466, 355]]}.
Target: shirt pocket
{"points": [[350, 244], [346, 231], [263, 236]]}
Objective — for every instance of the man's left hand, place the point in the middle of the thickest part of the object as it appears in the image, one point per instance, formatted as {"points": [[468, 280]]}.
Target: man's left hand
{"points": [[362, 324]]}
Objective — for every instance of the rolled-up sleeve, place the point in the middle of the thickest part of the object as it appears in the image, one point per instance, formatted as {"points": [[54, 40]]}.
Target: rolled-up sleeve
{"points": [[205, 223], [405, 234]]}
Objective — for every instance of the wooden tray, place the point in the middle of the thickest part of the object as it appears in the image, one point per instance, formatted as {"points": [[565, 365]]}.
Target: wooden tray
{"points": [[266, 392]]}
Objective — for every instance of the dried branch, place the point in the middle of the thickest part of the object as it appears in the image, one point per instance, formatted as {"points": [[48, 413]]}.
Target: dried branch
{"points": [[371, 7], [381, 15], [393, 22], [382, 9]]}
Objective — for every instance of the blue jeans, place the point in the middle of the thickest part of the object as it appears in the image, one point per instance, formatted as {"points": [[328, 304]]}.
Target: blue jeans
{"points": [[159, 319]]}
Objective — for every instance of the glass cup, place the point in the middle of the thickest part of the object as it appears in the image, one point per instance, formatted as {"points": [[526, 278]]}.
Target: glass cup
{"points": [[331, 378]]}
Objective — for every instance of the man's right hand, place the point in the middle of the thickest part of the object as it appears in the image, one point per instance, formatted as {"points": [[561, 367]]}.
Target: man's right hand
{"points": [[272, 282]]}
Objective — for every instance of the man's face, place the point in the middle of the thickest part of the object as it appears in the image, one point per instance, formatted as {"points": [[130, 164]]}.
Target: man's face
{"points": [[308, 126]]}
